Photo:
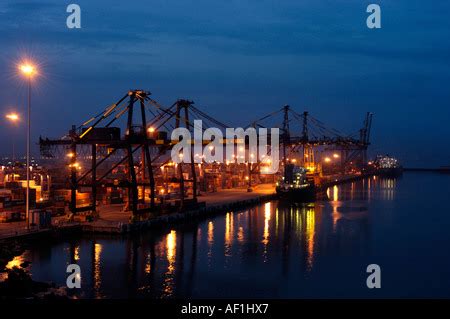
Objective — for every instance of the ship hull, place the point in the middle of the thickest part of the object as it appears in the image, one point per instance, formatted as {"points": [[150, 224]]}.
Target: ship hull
{"points": [[297, 195], [390, 172]]}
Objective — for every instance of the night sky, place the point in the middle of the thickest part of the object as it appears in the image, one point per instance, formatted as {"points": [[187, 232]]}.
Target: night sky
{"points": [[238, 60]]}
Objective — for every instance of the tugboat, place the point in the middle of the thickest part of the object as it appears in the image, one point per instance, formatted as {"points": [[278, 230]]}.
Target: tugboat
{"points": [[387, 166], [294, 186]]}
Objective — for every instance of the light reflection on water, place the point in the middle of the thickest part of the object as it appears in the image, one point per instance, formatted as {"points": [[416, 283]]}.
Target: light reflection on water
{"points": [[272, 250], [97, 269]]}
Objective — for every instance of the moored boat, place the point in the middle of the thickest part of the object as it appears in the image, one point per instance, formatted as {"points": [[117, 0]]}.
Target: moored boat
{"points": [[387, 166], [294, 185]]}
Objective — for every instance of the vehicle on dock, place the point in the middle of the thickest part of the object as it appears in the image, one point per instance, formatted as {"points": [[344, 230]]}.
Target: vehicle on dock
{"points": [[385, 165], [294, 185]]}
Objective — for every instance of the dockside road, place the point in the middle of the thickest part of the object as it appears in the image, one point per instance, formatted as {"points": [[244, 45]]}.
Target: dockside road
{"points": [[112, 218]]}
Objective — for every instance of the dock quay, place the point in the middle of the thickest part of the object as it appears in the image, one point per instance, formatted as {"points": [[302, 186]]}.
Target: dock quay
{"points": [[105, 178], [333, 180], [113, 220]]}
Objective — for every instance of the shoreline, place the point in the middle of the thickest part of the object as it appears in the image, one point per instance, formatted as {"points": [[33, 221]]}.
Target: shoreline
{"points": [[116, 222]]}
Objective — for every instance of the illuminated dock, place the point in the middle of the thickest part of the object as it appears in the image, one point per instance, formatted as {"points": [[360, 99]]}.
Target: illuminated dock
{"points": [[115, 172]]}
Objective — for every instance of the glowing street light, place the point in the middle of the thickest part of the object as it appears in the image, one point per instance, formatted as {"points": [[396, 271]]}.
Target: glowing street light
{"points": [[13, 117], [28, 70], [336, 155], [327, 159]]}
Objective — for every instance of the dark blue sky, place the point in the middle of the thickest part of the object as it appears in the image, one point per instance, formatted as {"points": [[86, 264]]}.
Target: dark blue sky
{"points": [[238, 60]]}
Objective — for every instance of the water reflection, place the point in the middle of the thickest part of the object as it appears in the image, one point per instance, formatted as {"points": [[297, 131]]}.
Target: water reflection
{"points": [[265, 241], [76, 254], [229, 233], [261, 251], [171, 243], [388, 188], [210, 242], [97, 269], [310, 232]]}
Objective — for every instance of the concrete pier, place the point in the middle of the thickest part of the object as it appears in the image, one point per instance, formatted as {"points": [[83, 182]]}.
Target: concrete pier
{"points": [[113, 220]]}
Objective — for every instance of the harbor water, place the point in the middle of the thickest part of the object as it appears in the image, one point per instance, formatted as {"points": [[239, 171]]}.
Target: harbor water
{"points": [[277, 250]]}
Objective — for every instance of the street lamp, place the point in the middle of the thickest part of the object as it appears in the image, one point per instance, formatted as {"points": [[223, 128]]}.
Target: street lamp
{"points": [[28, 70], [13, 117]]}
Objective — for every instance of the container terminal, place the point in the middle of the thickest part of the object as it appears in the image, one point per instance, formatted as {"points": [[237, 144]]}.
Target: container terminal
{"points": [[114, 173]]}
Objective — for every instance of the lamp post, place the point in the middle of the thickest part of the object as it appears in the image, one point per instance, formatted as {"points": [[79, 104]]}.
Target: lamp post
{"points": [[28, 70]]}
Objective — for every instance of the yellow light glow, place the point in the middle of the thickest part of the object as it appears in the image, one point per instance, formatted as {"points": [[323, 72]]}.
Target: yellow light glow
{"points": [[240, 234], [97, 266], [210, 233], [171, 242], [335, 193], [13, 117], [294, 160], [327, 159], [335, 155], [27, 69], [15, 262], [151, 129], [229, 231], [77, 253], [265, 241], [75, 165], [310, 232]]}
